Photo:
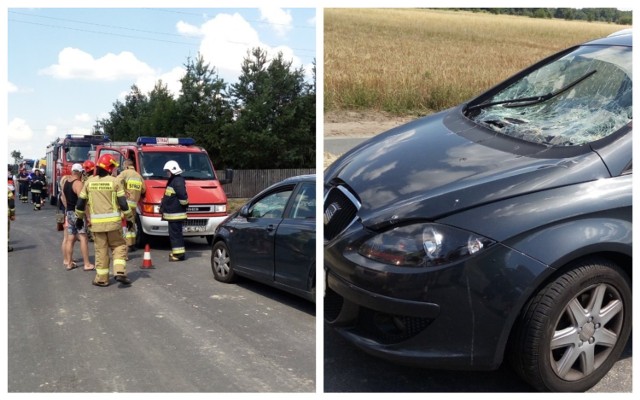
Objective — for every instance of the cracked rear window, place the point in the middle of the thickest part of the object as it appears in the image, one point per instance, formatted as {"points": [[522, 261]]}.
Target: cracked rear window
{"points": [[579, 98]]}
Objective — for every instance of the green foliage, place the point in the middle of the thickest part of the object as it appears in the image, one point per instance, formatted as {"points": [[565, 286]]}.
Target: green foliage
{"points": [[265, 120], [16, 155], [275, 116], [582, 14]]}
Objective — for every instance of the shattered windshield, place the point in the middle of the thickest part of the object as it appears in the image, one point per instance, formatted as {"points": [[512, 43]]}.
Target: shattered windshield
{"points": [[580, 98]]}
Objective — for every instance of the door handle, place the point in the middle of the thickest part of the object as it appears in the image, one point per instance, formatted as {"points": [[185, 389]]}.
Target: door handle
{"points": [[270, 227]]}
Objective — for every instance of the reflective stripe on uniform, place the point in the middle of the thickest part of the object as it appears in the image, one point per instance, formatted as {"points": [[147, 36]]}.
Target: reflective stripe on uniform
{"points": [[118, 261], [169, 191], [107, 217], [174, 216], [177, 250]]}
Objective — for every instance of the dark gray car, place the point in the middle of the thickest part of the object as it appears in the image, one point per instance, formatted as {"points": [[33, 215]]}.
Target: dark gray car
{"points": [[498, 229], [271, 239]]}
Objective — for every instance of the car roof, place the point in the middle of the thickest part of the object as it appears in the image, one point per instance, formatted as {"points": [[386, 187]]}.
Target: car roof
{"points": [[620, 38], [300, 178]]}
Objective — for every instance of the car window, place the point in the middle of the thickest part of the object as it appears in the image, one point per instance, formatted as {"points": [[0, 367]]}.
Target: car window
{"points": [[579, 98], [304, 202], [272, 205]]}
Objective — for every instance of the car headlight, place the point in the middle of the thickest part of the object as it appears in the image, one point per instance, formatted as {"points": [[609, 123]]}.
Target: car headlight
{"points": [[220, 208], [423, 245]]}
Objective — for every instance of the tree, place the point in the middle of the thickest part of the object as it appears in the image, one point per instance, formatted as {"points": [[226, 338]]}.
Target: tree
{"points": [[126, 121], [273, 111], [16, 155], [162, 114], [203, 106]]}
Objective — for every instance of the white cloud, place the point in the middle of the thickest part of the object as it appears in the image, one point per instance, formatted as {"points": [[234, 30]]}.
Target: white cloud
{"points": [[19, 130], [12, 88], [77, 130], [171, 79], [51, 131], [226, 38], [279, 19], [83, 117], [312, 21], [77, 64], [188, 29]]}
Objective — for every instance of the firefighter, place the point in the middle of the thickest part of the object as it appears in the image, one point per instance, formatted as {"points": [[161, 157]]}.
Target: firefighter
{"points": [[105, 197], [173, 208], [45, 193], [23, 180], [89, 168], [37, 183], [134, 188], [12, 212]]}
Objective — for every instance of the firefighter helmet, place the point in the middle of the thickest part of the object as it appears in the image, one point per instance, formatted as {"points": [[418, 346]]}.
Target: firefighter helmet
{"points": [[107, 162], [88, 166], [173, 167]]}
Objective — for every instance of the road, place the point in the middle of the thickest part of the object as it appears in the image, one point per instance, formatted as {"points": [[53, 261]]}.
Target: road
{"points": [[340, 145], [175, 329]]}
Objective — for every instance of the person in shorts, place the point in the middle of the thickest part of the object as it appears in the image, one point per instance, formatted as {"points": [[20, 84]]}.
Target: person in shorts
{"points": [[71, 189]]}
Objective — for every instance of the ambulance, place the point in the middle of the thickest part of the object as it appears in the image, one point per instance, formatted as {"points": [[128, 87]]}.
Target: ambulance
{"points": [[207, 199]]}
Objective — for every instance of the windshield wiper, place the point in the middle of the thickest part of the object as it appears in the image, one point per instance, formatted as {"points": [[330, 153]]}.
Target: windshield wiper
{"points": [[529, 101]]}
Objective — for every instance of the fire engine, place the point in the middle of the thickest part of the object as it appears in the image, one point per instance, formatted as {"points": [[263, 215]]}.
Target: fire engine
{"points": [[207, 199], [62, 153]]}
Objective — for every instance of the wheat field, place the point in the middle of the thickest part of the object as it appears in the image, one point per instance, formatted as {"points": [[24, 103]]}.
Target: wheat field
{"points": [[416, 61]]}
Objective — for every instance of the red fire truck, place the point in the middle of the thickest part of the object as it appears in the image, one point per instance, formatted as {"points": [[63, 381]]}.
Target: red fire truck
{"points": [[62, 153], [207, 199]]}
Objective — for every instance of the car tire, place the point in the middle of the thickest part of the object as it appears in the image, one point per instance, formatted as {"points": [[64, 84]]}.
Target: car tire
{"points": [[222, 263], [574, 329]]}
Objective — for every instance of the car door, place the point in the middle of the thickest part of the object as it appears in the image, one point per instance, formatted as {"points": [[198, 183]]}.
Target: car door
{"points": [[254, 239], [295, 240]]}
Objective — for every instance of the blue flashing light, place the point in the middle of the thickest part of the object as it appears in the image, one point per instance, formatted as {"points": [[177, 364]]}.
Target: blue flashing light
{"points": [[144, 140]]}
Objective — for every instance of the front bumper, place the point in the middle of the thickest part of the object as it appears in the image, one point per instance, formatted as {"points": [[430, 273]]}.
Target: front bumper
{"points": [[198, 226], [457, 316]]}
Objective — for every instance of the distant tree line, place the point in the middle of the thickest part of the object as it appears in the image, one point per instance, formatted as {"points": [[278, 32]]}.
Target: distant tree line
{"points": [[267, 119], [611, 15]]}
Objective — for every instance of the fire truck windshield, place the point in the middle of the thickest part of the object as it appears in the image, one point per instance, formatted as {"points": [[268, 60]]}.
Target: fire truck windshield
{"points": [[77, 153], [196, 166]]}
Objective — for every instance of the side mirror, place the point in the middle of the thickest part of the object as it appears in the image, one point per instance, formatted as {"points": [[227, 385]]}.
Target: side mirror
{"points": [[244, 211], [228, 176]]}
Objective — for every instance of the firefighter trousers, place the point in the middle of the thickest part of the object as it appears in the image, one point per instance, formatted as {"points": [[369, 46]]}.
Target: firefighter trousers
{"points": [[176, 238], [103, 242]]}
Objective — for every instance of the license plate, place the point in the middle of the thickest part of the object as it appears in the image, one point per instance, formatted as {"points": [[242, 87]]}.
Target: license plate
{"points": [[191, 229]]}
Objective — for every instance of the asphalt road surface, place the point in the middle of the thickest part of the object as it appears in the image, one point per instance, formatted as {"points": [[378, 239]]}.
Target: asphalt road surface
{"points": [[340, 145], [175, 329]]}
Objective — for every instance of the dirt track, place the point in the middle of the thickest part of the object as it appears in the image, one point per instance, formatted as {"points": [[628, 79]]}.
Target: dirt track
{"points": [[360, 123]]}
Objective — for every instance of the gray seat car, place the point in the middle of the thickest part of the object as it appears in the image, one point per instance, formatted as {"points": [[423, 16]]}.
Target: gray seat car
{"points": [[498, 229]]}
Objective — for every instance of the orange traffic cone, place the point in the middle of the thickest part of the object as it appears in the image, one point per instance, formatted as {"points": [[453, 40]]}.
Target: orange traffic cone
{"points": [[146, 260]]}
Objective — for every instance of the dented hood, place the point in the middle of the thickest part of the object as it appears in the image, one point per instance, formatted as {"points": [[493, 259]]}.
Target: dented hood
{"points": [[444, 163]]}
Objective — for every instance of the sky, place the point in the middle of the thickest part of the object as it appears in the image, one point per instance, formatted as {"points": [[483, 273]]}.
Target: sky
{"points": [[66, 67]]}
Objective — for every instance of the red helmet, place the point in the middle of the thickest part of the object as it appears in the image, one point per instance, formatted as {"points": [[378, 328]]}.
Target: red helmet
{"points": [[88, 166], [107, 162]]}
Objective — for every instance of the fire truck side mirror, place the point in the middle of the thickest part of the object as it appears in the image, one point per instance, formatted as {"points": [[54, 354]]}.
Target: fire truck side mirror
{"points": [[228, 176]]}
